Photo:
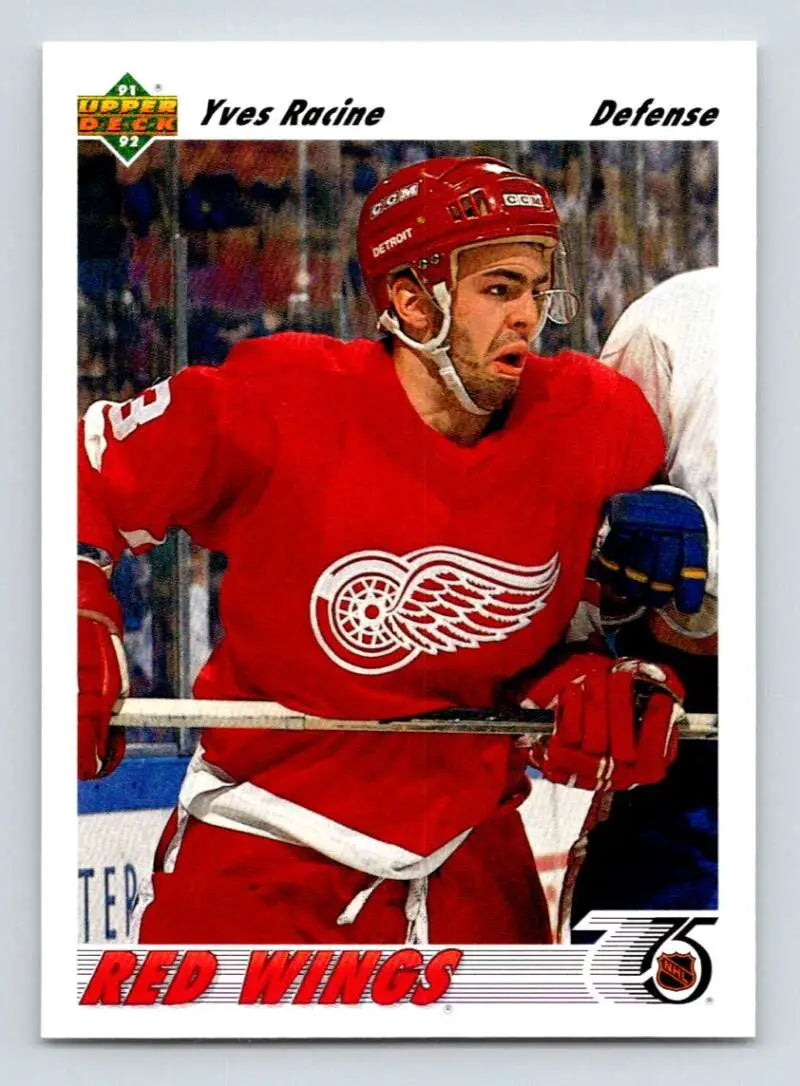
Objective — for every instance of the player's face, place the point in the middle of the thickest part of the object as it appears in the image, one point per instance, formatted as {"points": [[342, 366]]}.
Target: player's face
{"points": [[495, 315]]}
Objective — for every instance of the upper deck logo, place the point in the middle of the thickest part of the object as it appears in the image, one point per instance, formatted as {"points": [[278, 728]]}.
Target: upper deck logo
{"points": [[127, 117]]}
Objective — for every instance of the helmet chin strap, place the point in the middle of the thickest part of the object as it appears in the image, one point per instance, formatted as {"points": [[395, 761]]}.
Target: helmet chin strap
{"points": [[437, 349]]}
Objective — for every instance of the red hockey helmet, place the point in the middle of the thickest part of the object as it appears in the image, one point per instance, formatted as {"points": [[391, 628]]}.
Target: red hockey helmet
{"points": [[423, 215]]}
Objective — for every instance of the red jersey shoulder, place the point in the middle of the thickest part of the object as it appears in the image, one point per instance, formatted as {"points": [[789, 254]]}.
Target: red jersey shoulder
{"points": [[294, 355], [603, 411], [570, 381], [295, 377]]}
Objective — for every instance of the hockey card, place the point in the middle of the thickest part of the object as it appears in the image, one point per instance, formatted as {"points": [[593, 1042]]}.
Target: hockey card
{"points": [[415, 436]]}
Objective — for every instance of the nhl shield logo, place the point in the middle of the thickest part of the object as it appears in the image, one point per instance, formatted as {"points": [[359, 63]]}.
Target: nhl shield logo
{"points": [[676, 972]]}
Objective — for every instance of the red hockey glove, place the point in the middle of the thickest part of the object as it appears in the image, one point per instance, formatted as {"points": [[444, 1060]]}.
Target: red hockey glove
{"points": [[616, 722], [102, 674]]}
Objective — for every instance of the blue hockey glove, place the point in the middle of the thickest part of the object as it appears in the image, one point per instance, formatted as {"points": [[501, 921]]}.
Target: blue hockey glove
{"points": [[654, 548]]}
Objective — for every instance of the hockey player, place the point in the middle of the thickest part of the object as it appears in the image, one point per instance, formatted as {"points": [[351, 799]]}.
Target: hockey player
{"points": [[666, 342], [658, 848], [407, 525]]}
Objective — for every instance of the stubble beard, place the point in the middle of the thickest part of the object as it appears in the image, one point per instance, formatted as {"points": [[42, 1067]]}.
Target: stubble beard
{"points": [[488, 392]]}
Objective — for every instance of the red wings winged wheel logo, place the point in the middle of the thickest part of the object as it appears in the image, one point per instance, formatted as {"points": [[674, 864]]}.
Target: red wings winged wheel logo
{"points": [[374, 612]]}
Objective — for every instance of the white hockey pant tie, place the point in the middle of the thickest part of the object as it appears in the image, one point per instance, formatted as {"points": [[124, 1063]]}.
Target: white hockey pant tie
{"points": [[416, 908]]}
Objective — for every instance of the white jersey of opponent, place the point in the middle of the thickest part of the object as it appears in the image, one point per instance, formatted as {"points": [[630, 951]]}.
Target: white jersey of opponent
{"points": [[667, 342]]}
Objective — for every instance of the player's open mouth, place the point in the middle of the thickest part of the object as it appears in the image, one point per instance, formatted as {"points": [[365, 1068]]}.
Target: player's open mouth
{"points": [[510, 363]]}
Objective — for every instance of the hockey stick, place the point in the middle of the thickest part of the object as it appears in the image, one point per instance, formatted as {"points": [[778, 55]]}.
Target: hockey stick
{"points": [[269, 716]]}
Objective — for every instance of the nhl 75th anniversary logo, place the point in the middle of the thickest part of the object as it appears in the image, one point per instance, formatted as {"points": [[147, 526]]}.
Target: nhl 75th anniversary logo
{"points": [[127, 117]]}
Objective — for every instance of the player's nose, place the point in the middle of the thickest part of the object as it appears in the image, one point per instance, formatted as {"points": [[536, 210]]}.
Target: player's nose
{"points": [[523, 315]]}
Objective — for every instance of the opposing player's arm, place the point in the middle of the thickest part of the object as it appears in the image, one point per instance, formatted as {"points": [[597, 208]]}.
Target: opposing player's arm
{"points": [[653, 542], [635, 351]]}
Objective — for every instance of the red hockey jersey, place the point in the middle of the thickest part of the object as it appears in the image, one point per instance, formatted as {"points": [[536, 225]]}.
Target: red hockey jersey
{"points": [[376, 569]]}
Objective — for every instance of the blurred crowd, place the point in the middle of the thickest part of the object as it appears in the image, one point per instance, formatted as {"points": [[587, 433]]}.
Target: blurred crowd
{"points": [[269, 231]]}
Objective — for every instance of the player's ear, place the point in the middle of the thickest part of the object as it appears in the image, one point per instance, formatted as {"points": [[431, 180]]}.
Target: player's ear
{"points": [[413, 306]]}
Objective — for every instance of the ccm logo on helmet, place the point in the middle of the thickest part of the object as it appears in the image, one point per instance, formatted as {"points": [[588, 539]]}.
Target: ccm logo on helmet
{"points": [[393, 198], [522, 199], [390, 243]]}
